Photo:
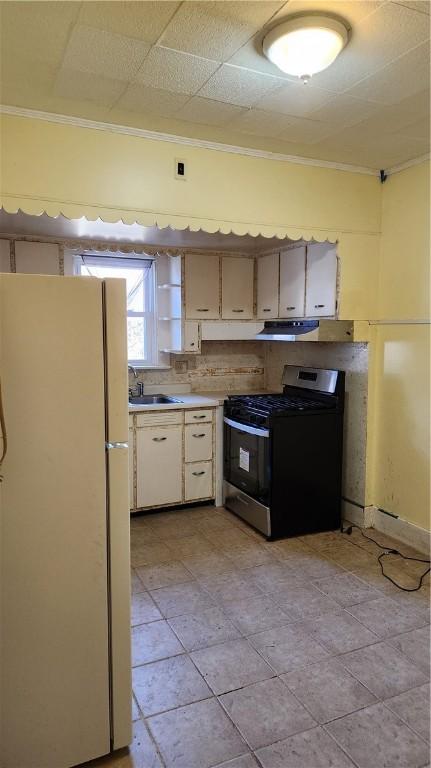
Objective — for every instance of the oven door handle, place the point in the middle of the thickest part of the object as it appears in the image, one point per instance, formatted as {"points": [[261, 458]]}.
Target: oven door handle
{"points": [[246, 428]]}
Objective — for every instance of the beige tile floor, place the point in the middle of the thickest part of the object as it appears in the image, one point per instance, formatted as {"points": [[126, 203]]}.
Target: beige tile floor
{"points": [[289, 654]]}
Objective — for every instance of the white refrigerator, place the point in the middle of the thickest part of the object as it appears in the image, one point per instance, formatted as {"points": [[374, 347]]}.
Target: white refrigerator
{"points": [[64, 521]]}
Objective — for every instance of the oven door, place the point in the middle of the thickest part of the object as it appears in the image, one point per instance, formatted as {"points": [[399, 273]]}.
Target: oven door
{"points": [[247, 459]]}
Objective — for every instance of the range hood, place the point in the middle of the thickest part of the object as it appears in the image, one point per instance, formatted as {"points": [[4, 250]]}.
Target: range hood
{"points": [[306, 330]]}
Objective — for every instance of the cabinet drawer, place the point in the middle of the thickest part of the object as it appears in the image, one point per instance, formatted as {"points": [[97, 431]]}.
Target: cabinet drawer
{"points": [[196, 417], [199, 481], [199, 442], [159, 418]]}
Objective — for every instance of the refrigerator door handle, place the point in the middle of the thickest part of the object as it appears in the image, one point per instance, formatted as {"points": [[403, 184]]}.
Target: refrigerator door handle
{"points": [[111, 446]]}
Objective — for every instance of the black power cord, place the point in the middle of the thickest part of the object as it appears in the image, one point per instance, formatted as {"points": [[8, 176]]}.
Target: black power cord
{"points": [[390, 551]]}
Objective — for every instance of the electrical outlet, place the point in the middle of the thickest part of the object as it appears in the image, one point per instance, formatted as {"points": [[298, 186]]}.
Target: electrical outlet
{"points": [[180, 366], [180, 169]]}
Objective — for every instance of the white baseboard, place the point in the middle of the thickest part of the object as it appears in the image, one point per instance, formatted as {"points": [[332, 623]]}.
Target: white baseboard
{"points": [[405, 532], [352, 513], [372, 517]]}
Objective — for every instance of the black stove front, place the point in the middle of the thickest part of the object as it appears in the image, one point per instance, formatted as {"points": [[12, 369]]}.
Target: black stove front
{"points": [[283, 454]]}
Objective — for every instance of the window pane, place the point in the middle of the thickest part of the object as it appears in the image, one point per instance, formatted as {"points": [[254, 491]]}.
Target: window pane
{"points": [[136, 338], [135, 279]]}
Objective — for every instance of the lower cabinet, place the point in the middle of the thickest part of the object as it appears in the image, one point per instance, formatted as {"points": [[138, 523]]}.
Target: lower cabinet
{"points": [[171, 457], [159, 466]]}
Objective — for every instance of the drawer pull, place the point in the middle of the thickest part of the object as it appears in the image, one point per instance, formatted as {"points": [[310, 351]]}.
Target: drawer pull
{"points": [[201, 435], [159, 439], [197, 474], [289, 308], [203, 416], [202, 310], [266, 310], [237, 310], [319, 306]]}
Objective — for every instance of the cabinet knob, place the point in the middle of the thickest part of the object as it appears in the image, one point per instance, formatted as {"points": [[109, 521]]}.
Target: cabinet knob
{"points": [[202, 310], [319, 306], [201, 435], [192, 343], [197, 474], [290, 308], [159, 439], [237, 310]]}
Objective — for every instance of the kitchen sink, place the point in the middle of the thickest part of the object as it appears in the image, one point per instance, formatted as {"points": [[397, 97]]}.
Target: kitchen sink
{"points": [[151, 399]]}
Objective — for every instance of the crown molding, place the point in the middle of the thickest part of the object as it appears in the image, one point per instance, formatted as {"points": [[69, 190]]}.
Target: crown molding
{"points": [[172, 138], [408, 164], [81, 122]]}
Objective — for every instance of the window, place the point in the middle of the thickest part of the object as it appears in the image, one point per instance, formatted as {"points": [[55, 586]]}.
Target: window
{"points": [[139, 274]]}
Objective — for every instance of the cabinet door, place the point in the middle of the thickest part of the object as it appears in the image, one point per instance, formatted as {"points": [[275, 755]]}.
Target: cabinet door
{"points": [[292, 282], [191, 337], [202, 286], [237, 288], [159, 461], [267, 286], [131, 471], [321, 280]]}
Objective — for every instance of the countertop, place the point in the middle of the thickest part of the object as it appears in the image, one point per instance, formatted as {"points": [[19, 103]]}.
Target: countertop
{"points": [[195, 399]]}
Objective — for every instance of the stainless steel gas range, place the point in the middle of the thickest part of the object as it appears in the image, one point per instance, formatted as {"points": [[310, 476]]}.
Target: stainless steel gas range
{"points": [[283, 454]]}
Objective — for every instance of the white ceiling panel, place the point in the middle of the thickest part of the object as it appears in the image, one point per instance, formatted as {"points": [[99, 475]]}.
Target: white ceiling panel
{"points": [[404, 77], [344, 111], [378, 39], [142, 98], [197, 69], [296, 99], [76, 85], [175, 71], [142, 20], [379, 151], [305, 131], [216, 29], [420, 129], [103, 53], [421, 6], [398, 116], [235, 85], [352, 11], [207, 112], [24, 30], [257, 122]]}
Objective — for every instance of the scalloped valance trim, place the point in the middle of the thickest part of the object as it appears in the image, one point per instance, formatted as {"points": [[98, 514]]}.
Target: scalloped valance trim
{"points": [[162, 220]]}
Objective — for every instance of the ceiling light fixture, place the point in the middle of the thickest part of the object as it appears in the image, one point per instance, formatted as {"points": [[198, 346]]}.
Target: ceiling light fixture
{"points": [[305, 45]]}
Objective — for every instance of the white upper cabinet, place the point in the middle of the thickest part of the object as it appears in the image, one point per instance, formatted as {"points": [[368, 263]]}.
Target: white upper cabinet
{"points": [[267, 286], [237, 288], [292, 282], [202, 286], [321, 283]]}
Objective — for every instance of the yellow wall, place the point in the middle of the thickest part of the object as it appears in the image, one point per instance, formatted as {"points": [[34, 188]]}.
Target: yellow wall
{"points": [[401, 369], [60, 168], [76, 171]]}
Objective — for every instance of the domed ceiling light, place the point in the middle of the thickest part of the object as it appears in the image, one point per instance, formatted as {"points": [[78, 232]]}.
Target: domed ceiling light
{"points": [[305, 45]]}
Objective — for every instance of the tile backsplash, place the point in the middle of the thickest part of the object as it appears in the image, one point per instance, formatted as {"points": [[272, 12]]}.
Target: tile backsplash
{"points": [[232, 365]]}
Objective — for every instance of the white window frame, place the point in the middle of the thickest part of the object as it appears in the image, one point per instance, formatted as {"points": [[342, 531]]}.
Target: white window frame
{"points": [[149, 315]]}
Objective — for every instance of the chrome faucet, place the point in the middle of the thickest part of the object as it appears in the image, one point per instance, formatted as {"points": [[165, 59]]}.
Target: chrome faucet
{"points": [[137, 390], [133, 369]]}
